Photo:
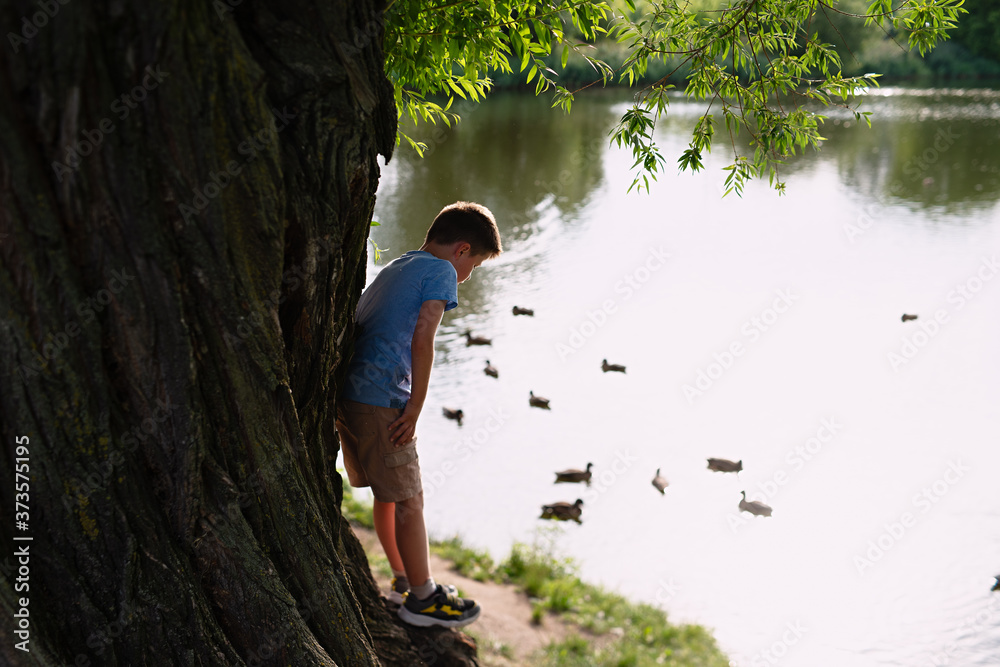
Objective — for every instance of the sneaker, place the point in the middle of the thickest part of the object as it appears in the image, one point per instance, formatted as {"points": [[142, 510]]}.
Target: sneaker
{"points": [[398, 590], [441, 608]]}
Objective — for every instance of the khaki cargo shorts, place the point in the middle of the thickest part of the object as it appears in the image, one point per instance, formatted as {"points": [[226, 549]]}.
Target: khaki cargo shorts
{"points": [[370, 458]]}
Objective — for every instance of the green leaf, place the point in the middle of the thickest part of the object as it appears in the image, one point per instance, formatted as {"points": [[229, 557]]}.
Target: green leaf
{"points": [[761, 60], [378, 251], [456, 88]]}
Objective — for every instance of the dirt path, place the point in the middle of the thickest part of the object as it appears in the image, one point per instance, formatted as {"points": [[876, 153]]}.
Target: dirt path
{"points": [[504, 631]]}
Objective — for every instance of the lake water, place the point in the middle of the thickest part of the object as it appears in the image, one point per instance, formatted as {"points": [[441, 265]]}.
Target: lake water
{"points": [[766, 329]]}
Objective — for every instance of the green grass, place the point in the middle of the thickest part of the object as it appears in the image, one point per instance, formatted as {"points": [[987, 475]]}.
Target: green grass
{"points": [[473, 564], [380, 564], [617, 632], [354, 510], [493, 647]]}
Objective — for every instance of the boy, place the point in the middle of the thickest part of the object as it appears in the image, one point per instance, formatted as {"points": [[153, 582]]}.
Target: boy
{"points": [[397, 317]]}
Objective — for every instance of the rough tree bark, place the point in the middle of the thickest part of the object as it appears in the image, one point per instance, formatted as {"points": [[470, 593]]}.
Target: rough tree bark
{"points": [[185, 191]]}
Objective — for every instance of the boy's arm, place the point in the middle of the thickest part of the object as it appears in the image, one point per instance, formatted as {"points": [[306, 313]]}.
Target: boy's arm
{"points": [[403, 429]]}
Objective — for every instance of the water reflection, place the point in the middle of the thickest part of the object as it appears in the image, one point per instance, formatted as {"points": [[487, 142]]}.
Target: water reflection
{"points": [[935, 151], [533, 166], [935, 148], [926, 149], [567, 251], [513, 154]]}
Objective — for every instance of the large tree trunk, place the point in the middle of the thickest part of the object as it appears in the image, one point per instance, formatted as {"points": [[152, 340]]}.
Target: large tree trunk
{"points": [[185, 192]]}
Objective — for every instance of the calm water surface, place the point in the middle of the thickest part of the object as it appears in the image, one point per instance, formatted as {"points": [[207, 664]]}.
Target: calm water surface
{"points": [[765, 329]]}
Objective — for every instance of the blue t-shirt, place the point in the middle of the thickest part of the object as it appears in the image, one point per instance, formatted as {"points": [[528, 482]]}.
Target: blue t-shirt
{"points": [[387, 312]]}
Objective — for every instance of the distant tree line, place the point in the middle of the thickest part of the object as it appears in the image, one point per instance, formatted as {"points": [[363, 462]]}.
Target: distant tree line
{"points": [[979, 30], [971, 52]]}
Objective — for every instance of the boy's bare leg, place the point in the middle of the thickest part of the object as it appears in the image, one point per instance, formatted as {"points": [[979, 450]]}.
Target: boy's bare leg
{"points": [[411, 539], [384, 518]]}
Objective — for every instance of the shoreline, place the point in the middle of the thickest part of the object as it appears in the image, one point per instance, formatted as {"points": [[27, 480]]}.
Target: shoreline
{"points": [[535, 611], [504, 632]]}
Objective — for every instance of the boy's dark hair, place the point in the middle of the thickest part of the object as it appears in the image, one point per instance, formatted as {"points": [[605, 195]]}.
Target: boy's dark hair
{"points": [[469, 222]]}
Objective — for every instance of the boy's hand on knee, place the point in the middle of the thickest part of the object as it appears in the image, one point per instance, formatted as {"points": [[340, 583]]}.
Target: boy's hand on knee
{"points": [[403, 429]]}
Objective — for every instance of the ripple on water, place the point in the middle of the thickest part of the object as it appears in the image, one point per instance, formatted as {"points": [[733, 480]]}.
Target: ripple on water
{"points": [[930, 593]]}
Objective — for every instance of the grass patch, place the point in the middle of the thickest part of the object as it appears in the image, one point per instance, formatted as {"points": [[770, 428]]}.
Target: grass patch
{"points": [[356, 510], [624, 633], [379, 564], [491, 646], [537, 613], [691, 646], [468, 562], [536, 568], [359, 512]]}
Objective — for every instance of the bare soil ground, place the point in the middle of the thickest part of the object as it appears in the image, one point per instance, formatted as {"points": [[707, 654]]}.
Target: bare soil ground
{"points": [[504, 631]]}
